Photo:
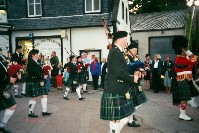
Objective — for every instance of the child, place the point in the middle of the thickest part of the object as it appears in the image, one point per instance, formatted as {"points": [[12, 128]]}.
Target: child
{"points": [[59, 77], [47, 71]]}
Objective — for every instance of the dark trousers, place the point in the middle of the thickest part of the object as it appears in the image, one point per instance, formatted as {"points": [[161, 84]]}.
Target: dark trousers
{"points": [[156, 80], [102, 81], [95, 81]]}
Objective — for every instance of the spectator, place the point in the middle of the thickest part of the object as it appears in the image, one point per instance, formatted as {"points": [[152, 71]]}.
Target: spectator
{"points": [[168, 70], [54, 63], [95, 72], [156, 70], [147, 61]]}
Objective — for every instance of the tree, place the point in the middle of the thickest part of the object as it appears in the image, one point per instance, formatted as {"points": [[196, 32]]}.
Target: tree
{"points": [[148, 6]]}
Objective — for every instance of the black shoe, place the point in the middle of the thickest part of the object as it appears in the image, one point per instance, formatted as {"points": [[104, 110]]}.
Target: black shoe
{"points": [[81, 99], [85, 91], [133, 124], [3, 130], [66, 98], [24, 95], [134, 118], [32, 115], [46, 113], [18, 96]]}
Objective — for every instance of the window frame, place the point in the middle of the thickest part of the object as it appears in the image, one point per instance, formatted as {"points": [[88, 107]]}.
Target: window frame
{"points": [[93, 11], [34, 3]]}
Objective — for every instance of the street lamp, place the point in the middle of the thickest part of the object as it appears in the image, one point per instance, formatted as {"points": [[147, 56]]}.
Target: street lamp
{"points": [[193, 3]]}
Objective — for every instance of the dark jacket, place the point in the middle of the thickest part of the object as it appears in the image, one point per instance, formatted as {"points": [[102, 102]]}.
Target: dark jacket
{"points": [[34, 71], [103, 72], [54, 62], [73, 70], [17, 58], [168, 67], [4, 80], [118, 79], [160, 67]]}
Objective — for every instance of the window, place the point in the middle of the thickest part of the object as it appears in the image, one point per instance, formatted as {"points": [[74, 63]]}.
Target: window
{"points": [[2, 3], [122, 10], [126, 16], [34, 8], [92, 6]]}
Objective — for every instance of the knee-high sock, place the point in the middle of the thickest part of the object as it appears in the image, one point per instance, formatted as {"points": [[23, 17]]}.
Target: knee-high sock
{"points": [[78, 90], [31, 106], [84, 87], [44, 104], [123, 122], [6, 116], [66, 93], [114, 127], [23, 88], [183, 112], [131, 118], [16, 89]]}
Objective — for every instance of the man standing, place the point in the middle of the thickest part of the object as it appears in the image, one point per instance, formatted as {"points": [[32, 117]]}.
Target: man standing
{"points": [[116, 105], [54, 61], [17, 57], [103, 71]]}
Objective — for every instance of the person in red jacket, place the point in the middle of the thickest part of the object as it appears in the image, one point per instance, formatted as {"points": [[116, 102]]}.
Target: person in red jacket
{"points": [[184, 62]]}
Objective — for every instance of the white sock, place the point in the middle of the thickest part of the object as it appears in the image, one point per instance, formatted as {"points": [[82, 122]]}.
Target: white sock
{"points": [[131, 118], [6, 116], [78, 90], [44, 104], [84, 87], [23, 88], [31, 106], [66, 93], [114, 127], [123, 122], [16, 89]]}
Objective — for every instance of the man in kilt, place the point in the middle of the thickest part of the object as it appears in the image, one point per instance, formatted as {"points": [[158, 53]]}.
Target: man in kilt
{"points": [[83, 74], [17, 57], [184, 62], [137, 94], [35, 84], [116, 105], [73, 78], [7, 101]]}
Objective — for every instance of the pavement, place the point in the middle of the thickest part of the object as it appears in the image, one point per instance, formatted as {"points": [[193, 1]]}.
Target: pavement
{"points": [[158, 115]]}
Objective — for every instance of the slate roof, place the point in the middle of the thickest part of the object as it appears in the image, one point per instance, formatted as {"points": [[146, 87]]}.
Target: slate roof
{"points": [[158, 21], [59, 22]]}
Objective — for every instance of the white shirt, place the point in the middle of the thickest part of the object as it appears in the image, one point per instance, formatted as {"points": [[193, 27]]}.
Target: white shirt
{"points": [[102, 66], [156, 64], [119, 48]]}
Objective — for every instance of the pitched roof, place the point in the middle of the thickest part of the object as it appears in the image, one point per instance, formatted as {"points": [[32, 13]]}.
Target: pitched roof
{"points": [[59, 22], [158, 21]]}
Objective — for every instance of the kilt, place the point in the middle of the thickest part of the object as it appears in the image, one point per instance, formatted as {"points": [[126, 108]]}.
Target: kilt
{"points": [[181, 92], [82, 78], [6, 103], [33, 89], [115, 107], [137, 97], [70, 82]]}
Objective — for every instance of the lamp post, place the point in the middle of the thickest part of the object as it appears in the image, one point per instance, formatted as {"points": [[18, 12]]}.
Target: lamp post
{"points": [[194, 4]]}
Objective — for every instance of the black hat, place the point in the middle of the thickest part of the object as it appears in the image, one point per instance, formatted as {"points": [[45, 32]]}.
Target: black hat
{"points": [[18, 47], [132, 45], [178, 43], [119, 34]]}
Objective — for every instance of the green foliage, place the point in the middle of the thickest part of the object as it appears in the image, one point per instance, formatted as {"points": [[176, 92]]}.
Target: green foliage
{"points": [[148, 6]]}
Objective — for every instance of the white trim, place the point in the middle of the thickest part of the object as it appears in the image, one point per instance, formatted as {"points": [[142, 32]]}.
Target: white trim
{"points": [[92, 10], [185, 72], [34, 4]]}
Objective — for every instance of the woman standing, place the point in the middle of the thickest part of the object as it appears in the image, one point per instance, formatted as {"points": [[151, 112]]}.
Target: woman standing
{"points": [[156, 69], [35, 84], [147, 61], [168, 68]]}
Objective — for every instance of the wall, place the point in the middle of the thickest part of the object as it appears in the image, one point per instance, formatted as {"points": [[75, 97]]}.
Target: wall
{"points": [[143, 39]]}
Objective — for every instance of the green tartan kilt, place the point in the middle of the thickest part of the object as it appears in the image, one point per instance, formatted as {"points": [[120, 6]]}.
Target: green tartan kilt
{"points": [[115, 107], [71, 81], [33, 89], [182, 91], [6, 103], [138, 97]]}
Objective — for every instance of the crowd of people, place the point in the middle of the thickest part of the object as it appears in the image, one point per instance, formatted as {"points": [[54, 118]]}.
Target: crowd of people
{"points": [[121, 77]]}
